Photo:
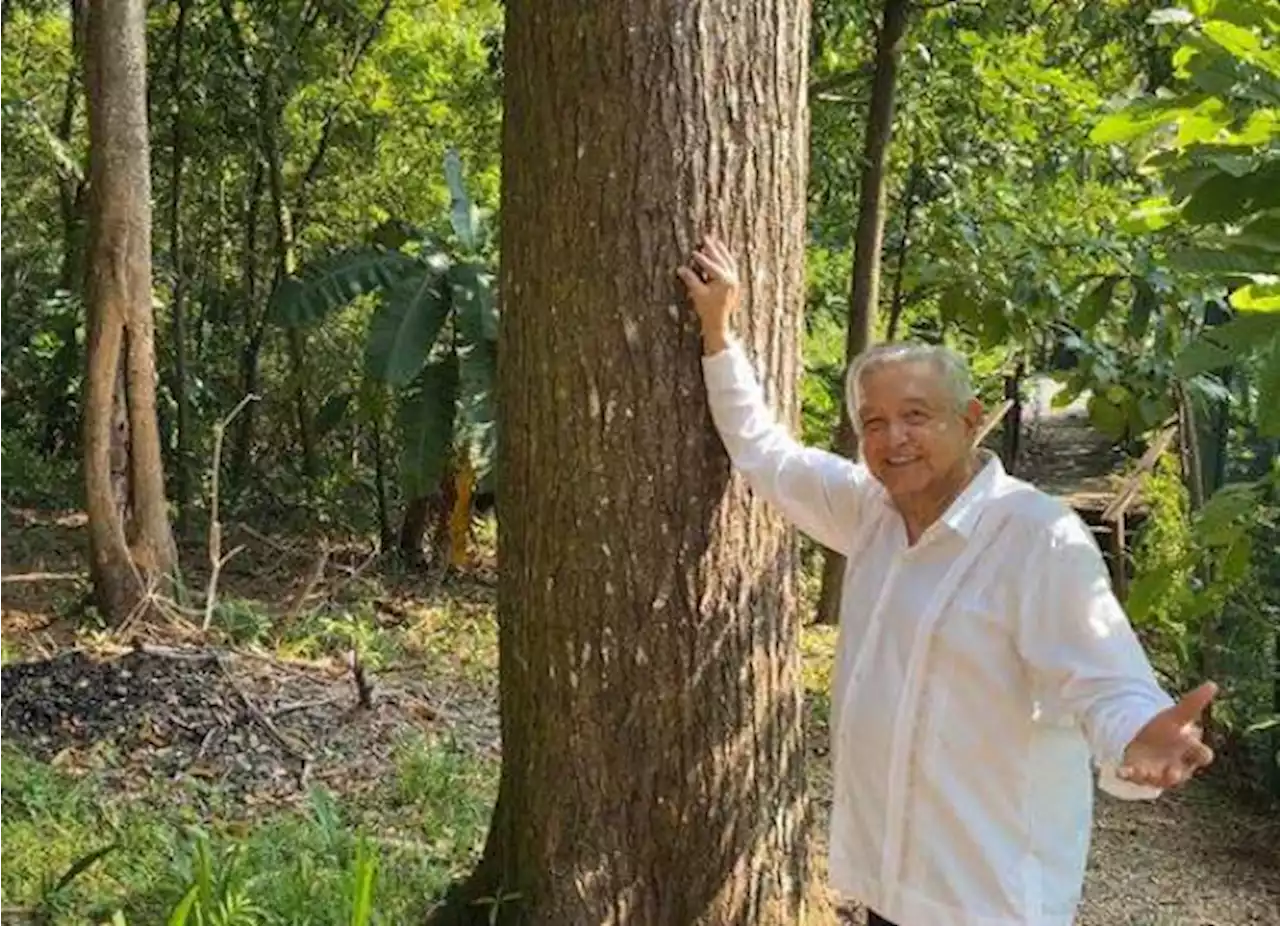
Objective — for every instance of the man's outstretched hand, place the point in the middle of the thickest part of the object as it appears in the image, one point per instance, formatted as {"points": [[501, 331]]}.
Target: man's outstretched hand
{"points": [[712, 281], [1169, 750]]}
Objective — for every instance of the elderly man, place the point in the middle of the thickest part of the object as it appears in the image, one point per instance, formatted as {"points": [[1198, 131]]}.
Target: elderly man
{"points": [[982, 656]]}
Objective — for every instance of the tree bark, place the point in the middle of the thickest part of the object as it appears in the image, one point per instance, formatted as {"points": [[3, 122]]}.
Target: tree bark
{"points": [[868, 240], [649, 668], [131, 552], [898, 302]]}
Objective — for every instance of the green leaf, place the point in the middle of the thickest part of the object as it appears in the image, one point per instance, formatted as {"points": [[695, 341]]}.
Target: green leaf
{"points": [[473, 302], [1224, 261], [1147, 590], [477, 418], [1257, 297], [332, 412], [405, 327], [1243, 44], [1269, 392], [1136, 120], [1144, 303], [329, 284], [1151, 215], [1227, 198], [1108, 416], [1219, 522], [364, 875], [1095, 306], [182, 911], [1223, 345], [427, 413], [462, 213], [1263, 232]]}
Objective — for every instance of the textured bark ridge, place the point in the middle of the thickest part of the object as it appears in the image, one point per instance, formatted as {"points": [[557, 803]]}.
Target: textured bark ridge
{"points": [[650, 675]]}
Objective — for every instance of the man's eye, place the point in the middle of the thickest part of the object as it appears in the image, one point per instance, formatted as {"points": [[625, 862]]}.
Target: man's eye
{"points": [[873, 424]]}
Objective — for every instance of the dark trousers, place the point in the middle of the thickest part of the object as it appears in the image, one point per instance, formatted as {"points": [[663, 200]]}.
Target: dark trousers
{"points": [[875, 919]]}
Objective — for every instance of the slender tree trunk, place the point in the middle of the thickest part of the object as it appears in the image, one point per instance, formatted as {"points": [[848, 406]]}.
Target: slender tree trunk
{"points": [[254, 331], [130, 554], [649, 668], [868, 239], [898, 303], [1012, 429], [182, 469]]}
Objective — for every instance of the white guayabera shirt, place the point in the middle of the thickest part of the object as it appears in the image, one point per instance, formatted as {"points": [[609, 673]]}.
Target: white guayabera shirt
{"points": [[975, 674]]}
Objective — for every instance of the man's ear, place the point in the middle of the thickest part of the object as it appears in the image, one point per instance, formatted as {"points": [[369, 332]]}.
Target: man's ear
{"points": [[973, 414]]}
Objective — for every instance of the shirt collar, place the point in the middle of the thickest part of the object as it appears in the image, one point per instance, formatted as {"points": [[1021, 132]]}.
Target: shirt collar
{"points": [[962, 515]]}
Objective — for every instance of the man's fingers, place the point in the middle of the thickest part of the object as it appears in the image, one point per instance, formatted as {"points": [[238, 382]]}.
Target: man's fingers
{"points": [[691, 280], [1200, 756], [721, 252], [712, 267], [1194, 702]]}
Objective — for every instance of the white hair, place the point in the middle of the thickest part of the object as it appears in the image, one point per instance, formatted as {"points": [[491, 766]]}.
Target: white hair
{"points": [[951, 367]]}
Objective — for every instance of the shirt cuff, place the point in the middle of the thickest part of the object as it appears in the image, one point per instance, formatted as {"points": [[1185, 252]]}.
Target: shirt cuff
{"points": [[727, 368]]}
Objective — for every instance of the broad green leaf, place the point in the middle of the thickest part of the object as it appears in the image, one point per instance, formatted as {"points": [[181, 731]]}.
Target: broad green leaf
{"points": [[477, 417], [1151, 215], [427, 414], [1226, 261], [1243, 43], [1095, 306], [1257, 297], [462, 212], [473, 302], [1269, 391], [1204, 123], [1237, 165], [1226, 198], [1138, 119], [1144, 304], [1263, 232], [1261, 126], [1107, 416], [332, 412], [1221, 346], [404, 328], [329, 284], [1218, 522], [1247, 13]]}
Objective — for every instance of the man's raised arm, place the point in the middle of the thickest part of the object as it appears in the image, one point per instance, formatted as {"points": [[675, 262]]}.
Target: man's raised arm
{"points": [[820, 492]]}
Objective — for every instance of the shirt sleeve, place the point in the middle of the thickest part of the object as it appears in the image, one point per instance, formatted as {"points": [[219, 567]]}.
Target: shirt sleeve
{"points": [[820, 492], [1074, 632]]}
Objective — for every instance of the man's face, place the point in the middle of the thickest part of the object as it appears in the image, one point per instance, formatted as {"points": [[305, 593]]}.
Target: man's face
{"points": [[914, 439]]}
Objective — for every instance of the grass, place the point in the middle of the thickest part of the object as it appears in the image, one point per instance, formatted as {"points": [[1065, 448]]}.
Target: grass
{"points": [[297, 867]]}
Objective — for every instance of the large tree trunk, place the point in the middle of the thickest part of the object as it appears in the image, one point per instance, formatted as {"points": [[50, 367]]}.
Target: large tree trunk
{"points": [[865, 288], [130, 544], [648, 636]]}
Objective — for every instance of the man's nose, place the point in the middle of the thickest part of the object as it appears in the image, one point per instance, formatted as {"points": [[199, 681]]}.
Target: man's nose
{"points": [[898, 433]]}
